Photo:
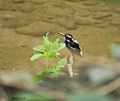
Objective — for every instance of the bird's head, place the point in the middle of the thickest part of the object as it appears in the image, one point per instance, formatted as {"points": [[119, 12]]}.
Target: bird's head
{"points": [[66, 36]]}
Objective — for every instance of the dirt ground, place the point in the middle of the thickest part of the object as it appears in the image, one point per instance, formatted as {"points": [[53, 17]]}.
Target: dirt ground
{"points": [[22, 23]]}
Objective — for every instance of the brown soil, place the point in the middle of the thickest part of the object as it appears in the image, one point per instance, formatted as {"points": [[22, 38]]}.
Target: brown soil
{"points": [[22, 23]]}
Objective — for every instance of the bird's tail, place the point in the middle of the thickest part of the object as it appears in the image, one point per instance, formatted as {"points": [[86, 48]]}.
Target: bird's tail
{"points": [[61, 33], [81, 53]]}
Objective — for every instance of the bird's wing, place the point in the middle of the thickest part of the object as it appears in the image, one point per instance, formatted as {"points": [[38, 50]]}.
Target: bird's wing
{"points": [[74, 45]]}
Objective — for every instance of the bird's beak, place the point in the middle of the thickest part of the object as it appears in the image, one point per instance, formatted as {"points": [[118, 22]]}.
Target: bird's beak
{"points": [[61, 33]]}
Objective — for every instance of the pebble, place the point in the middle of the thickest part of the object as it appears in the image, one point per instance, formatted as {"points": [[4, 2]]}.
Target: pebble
{"points": [[26, 7], [18, 1], [89, 3], [83, 13], [101, 15], [59, 12], [115, 20], [38, 1], [84, 20], [37, 28], [67, 24], [116, 8], [13, 19]]}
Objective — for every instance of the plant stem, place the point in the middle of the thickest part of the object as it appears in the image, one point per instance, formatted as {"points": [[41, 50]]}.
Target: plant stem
{"points": [[46, 62], [53, 61]]}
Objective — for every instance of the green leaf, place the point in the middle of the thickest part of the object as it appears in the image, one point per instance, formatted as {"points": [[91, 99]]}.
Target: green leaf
{"points": [[61, 63], [53, 47], [59, 47], [57, 41], [40, 48], [37, 77], [35, 56], [40, 77], [49, 50], [47, 47], [62, 45], [56, 74], [46, 41], [57, 53], [49, 54]]}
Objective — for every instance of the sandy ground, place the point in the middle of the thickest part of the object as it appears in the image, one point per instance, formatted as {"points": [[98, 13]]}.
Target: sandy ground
{"points": [[22, 23]]}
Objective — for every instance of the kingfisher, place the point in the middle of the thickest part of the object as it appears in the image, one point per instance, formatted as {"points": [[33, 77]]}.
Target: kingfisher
{"points": [[71, 44]]}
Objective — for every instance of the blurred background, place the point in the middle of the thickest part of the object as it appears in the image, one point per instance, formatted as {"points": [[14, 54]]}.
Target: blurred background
{"points": [[94, 23]]}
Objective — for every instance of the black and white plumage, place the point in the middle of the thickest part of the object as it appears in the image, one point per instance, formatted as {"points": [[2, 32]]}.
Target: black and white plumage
{"points": [[71, 44]]}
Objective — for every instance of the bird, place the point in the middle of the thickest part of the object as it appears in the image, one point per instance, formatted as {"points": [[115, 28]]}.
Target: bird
{"points": [[71, 44]]}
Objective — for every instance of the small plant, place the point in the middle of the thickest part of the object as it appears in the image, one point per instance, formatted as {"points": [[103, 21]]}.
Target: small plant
{"points": [[50, 50]]}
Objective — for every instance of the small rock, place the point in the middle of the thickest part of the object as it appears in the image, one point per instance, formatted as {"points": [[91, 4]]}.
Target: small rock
{"points": [[115, 20], [104, 8], [99, 21], [26, 7], [67, 24], [84, 21], [116, 8], [94, 8], [58, 29], [102, 25], [47, 18], [89, 3], [101, 15], [56, 11], [72, 0], [13, 19], [83, 13], [38, 1], [8, 6], [36, 28], [76, 6], [18, 1], [100, 7]]}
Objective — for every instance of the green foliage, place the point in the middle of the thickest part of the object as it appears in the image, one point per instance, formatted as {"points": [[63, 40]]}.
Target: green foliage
{"points": [[36, 56], [87, 96], [61, 63], [27, 96], [50, 50], [48, 73]]}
